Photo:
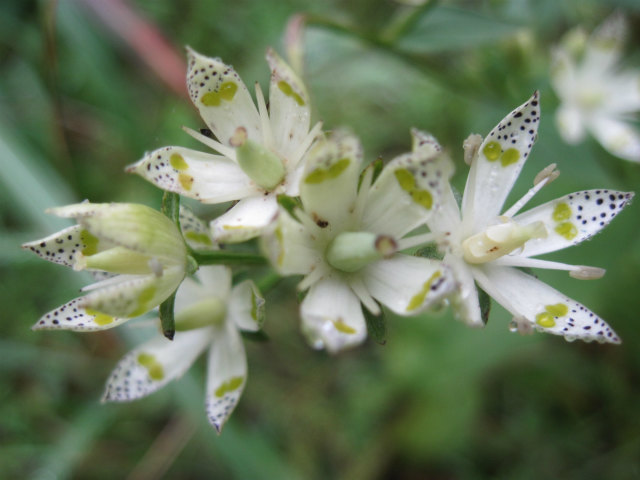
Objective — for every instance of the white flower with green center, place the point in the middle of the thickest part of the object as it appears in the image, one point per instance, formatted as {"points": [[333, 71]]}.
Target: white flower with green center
{"points": [[138, 252], [209, 314], [595, 94], [484, 246], [260, 148], [345, 239]]}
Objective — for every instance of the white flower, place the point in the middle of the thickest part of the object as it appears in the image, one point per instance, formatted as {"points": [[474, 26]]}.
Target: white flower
{"points": [[260, 149], [595, 94], [138, 253], [345, 239], [482, 245], [209, 314]]}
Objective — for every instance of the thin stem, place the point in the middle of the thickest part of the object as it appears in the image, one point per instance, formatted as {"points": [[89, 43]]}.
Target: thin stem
{"points": [[406, 20], [225, 257]]}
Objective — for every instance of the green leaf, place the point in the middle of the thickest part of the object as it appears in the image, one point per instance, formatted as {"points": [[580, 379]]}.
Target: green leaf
{"points": [[259, 336], [171, 207], [485, 305], [430, 251], [289, 204], [166, 317], [448, 28]]}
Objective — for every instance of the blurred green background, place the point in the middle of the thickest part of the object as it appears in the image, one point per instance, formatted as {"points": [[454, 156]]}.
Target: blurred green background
{"points": [[87, 86]]}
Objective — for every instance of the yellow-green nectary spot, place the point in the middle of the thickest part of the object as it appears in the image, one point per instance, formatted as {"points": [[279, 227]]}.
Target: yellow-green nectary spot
{"points": [[154, 368], [492, 151], [100, 318], [405, 178], [186, 181], [199, 238], [178, 162], [567, 229], [557, 310], [288, 91], [320, 174], [561, 212], [144, 301], [418, 298], [90, 243], [407, 182], [343, 327], [226, 92], [422, 197], [229, 386], [546, 318], [510, 156]]}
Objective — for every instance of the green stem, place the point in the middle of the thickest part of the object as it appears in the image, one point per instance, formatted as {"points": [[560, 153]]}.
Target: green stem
{"points": [[225, 257], [406, 20]]}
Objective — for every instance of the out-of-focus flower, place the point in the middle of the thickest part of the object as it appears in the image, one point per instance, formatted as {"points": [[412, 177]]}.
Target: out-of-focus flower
{"points": [[595, 93], [209, 313], [260, 148], [137, 252], [484, 246], [345, 239]]}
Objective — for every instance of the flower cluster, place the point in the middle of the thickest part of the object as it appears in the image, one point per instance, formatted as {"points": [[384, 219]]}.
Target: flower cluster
{"points": [[353, 233], [596, 95]]}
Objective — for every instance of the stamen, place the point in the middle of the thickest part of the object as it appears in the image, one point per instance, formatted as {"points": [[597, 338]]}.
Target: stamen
{"points": [[414, 241], [580, 272], [363, 194], [267, 135], [313, 277], [108, 282], [211, 143], [471, 145], [305, 144], [545, 177], [357, 286], [584, 272]]}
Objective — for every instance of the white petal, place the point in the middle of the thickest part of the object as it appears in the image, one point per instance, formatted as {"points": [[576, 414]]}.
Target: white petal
{"points": [[245, 220], [203, 176], [618, 137], [605, 44], [570, 124], [226, 374], [66, 247], [221, 97], [134, 295], [133, 226], [407, 191], [195, 232], [498, 164], [209, 281], [329, 184], [72, 316], [464, 301], [154, 364], [544, 308], [288, 107], [290, 246], [246, 306], [332, 316], [563, 73], [408, 285], [572, 219], [446, 220]]}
